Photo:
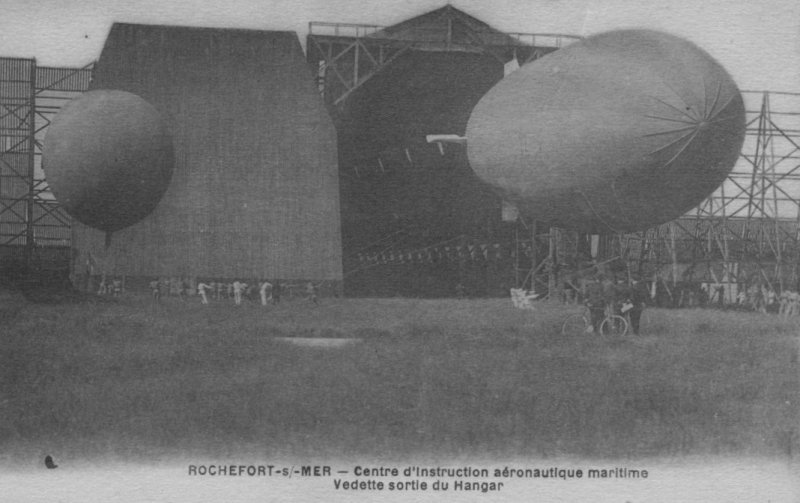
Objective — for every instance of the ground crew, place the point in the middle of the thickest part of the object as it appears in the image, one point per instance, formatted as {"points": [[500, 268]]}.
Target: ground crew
{"points": [[276, 292], [238, 288], [265, 287], [117, 287], [639, 296], [595, 301], [155, 289], [103, 288], [201, 290], [311, 290]]}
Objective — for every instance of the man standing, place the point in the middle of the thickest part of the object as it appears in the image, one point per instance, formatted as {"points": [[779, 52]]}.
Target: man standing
{"points": [[784, 298], [103, 287], [311, 290], [266, 287], [276, 292], [609, 295], [116, 285], [238, 288], [201, 290], [639, 296], [155, 289], [792, 304], [595, 301], [183, 288]]}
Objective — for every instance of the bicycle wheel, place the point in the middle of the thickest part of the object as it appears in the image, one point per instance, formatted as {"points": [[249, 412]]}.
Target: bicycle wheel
{"points": [[575, 324], [614, 325]]}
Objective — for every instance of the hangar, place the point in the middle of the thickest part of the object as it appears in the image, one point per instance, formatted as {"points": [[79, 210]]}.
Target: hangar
{"points": [[414, 219], [254, 190]]}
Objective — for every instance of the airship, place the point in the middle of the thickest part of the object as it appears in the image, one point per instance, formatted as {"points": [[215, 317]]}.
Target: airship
{"points": [[619, 132], [108, 157]]}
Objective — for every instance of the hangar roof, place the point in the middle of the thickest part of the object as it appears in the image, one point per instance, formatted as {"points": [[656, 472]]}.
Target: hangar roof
{"points": [[446, 25]]}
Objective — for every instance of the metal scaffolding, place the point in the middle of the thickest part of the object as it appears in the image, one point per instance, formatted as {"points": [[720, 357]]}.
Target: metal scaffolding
{"points": [[30, 95], [746, 233], [346, 56]]}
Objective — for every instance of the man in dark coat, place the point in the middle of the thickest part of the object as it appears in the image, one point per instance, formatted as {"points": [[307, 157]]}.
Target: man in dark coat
{"points": [[596, 302], [639, 296]]}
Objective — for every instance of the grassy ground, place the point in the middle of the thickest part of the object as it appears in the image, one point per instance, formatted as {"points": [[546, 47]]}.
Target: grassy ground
{"points": [[430, 377]]}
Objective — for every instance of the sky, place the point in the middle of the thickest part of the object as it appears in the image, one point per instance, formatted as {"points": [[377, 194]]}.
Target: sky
{"points": [[757, 42]]}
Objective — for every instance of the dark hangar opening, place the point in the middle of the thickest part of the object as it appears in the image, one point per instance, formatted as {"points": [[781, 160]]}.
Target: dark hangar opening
{"points": [[416, 221]]}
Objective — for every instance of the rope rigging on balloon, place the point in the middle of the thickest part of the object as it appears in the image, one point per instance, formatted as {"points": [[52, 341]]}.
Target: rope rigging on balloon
{"points": [[596, 213]]}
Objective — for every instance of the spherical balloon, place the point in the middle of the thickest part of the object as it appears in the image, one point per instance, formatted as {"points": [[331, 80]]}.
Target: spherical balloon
{"points": [[621, 131], [108, 157]]}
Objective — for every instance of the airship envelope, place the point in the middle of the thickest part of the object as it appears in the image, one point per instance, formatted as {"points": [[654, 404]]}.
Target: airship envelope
{"points": [[618, 132], [108, 157]]}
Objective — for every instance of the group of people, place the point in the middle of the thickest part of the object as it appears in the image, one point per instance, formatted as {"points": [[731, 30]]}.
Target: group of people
{"points": [[172, 287], [789, 304], [269, 293], [113, 288], [238, 290], [764, 299], [760, 298], [604, 297]]}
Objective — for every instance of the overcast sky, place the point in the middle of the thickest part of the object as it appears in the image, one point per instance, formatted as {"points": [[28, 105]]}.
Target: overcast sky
{"points": [[757, 41]]}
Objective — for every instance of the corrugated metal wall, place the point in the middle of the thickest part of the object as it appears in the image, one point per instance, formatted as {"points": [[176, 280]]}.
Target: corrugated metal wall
{"points": [[255, 190]]}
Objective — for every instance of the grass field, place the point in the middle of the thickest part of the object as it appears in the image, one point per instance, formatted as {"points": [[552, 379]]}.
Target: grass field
{"points": [[125, 381]]}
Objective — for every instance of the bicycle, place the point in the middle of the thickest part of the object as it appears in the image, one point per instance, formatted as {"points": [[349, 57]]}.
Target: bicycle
{"points": [[581, 323]]}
